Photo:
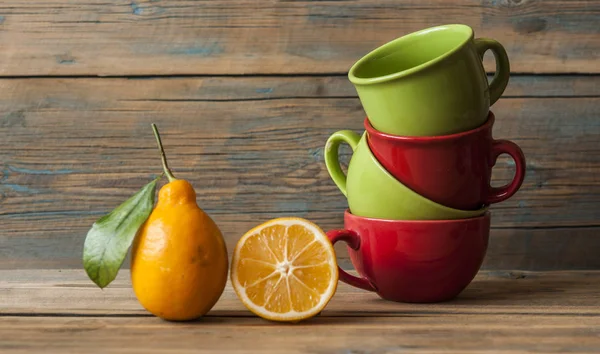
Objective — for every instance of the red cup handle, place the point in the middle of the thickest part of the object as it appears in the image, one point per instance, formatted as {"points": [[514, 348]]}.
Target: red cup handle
{"points": [[353, 240], [498, 194]]}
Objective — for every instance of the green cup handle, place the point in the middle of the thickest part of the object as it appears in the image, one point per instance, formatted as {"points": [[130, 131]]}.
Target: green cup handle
{"points": [[331, 155], [502, 74]]}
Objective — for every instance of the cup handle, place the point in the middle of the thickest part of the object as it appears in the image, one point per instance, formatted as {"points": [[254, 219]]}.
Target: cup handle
{"points": [[332, 159], [502, 74], [498, 194], [353, 240]]}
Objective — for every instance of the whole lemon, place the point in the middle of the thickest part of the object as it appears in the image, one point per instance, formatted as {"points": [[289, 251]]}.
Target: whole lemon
{"points": [[179, 262]]}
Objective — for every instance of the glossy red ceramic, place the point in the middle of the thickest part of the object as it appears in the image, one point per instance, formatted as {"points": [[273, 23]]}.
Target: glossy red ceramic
{"points": [[452, 170], [413, 261]]}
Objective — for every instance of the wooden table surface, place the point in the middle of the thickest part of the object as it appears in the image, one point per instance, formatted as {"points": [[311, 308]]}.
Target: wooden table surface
{"points": [[61, 311]]}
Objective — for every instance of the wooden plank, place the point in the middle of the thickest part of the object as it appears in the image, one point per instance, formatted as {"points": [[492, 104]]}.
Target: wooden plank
{"points": [[415, 334], [543, 249], [72, 149], [504, 312], [68, 292], [22, 92], [60, 246], [157, 37]]}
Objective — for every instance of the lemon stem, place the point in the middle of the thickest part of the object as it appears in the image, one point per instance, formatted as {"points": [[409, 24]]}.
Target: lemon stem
{"points": [[162, 155]]}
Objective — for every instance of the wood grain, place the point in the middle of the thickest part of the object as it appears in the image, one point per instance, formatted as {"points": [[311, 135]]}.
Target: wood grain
{"points": [[414, 334], [73, 149], [59, 245], [160, 37], [501, 312], [84, 91], [70, 293]]}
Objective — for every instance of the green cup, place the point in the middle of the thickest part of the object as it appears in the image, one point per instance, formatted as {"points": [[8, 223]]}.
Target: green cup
{"points": [[373, 192], [431, 82]]}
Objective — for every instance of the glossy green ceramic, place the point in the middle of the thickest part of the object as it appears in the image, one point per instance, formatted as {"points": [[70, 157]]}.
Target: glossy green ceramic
{"points": [[430, 82], [373, 192]]}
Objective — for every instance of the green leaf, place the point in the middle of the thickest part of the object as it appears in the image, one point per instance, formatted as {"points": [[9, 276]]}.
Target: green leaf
{"points": [[108, 241]]}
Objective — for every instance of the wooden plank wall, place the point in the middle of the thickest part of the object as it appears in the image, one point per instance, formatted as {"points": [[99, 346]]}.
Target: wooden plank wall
{"points": [[245, 94]]}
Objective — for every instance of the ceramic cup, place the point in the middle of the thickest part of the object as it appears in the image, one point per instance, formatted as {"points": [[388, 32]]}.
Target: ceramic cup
{"points": [[430, 82], [453, 170], [413, 261], [372, 191]]}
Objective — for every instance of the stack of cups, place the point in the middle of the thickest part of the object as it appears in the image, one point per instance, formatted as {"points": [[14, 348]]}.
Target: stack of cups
{"points": [[418, 183]]}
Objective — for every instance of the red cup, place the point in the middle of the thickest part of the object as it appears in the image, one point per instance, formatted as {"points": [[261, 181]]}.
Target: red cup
{"points": [[453, 170], [418, 261]]}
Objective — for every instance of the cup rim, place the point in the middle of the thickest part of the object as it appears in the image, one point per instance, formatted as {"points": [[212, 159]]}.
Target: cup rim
{"points": [[432, 138], [373, 53], [485, 215]]}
